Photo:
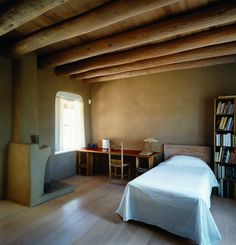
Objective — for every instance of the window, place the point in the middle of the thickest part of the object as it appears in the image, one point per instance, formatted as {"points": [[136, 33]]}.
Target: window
{"points": [[70, 133]]}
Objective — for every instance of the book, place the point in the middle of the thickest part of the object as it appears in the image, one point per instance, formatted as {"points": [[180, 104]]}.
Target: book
{"points": [[232, 157], [231, 110], [224, 123], [218, 173], [234, 190], [228, 107], [227, 156], [218, 108], [226, 139], [225, 109], [222, 108], [221, 188], [231, 124], [217, 156], [221, 123], [221, 153], [217, 139], [222, 171], [228, 123]]}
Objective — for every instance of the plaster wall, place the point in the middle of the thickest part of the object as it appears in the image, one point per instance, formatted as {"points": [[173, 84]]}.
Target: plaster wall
{"points": [[25, 99], [62, 165], [174, 107], [5, 117], [34, 112]]}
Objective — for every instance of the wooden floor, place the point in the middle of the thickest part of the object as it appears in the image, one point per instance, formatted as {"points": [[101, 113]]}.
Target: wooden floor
{"points": [[88, 216]]}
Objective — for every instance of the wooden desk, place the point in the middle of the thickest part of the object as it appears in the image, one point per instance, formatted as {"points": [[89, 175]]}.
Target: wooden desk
{"points": [[88, 162]]}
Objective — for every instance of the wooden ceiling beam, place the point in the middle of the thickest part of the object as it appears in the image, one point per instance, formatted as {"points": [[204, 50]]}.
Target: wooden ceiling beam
{"points": [[217, 15], [172, 67], [100, 17], [199, 40], [195, 54], [23, 11]]}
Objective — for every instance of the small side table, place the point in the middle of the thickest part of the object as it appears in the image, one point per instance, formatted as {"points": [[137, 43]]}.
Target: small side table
{"points": [[150, 162]]}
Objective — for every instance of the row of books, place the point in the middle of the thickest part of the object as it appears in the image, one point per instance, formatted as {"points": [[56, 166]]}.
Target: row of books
{"points": [[227, 188], [225, 172], [226, 140], [225, 123], [224, 108], [225, 155]]}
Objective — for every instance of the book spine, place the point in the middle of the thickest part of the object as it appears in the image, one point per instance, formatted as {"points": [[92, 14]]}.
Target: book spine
{"points": [[218, 108]]}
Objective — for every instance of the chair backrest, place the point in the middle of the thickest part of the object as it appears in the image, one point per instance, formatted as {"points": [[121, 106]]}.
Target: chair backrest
{"points": [[121, 148]]}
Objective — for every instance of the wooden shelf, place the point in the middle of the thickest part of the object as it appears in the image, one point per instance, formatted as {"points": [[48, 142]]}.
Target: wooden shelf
{"points": [[224, 131], [225, 164], [221, 168], [233, 147], [224, 115], [229, 179]]}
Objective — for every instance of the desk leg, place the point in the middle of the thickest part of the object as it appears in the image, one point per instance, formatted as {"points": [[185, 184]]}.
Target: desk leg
{"points": [[88, 163], [150, 162], [78, 162], [91, 163], [137, 165]]}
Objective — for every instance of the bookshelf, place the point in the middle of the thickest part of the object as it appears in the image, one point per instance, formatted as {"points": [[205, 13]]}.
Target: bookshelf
{"points": [[225, 145]]}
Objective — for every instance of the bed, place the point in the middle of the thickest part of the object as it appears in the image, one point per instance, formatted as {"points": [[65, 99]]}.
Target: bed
{"points": [[175, 195]]}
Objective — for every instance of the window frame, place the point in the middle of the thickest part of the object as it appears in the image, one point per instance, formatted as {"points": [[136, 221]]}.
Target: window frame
{"points": [[73, 97]]}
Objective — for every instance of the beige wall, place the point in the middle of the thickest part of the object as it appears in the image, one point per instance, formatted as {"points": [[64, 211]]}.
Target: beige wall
{"points": [[34, 111], [174, 107], [49, 84], [25, 116], [5, 117]]}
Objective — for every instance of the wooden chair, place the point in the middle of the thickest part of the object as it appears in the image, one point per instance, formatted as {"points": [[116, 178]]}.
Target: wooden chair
{"points": [[117, 167]]}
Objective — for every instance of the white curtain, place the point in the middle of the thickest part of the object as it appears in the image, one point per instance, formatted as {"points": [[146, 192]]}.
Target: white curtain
{"points": [[69, 133], [59, 123], [80, 132]]}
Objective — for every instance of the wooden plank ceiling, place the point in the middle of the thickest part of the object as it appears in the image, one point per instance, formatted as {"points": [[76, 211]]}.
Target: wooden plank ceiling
{"points": [[103, 40]]}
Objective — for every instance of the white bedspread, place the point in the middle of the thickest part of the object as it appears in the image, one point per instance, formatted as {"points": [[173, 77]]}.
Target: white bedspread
{"points": [[175, 198]]}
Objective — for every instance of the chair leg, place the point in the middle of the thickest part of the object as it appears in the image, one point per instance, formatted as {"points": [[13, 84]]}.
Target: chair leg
{"points": [[128, 173], [115, 173], [122, 176], [110, 173]]}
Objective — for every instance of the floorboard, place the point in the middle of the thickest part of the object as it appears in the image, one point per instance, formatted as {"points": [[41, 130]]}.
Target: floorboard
{"points": [[87, 216]]}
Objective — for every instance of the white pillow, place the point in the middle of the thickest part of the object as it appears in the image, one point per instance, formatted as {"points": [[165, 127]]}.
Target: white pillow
{"points": [[184, 161]]}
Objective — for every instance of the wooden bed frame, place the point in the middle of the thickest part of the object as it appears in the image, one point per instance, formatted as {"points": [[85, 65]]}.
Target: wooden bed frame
{"points": [[202, 152]]}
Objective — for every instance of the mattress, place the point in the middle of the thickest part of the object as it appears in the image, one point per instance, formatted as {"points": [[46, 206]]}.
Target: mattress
{"points": [[175, 196]]}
